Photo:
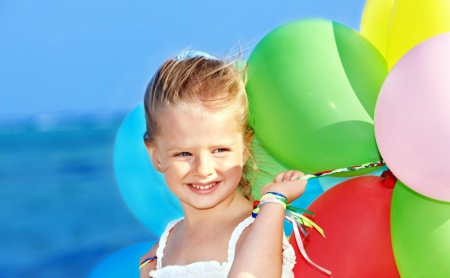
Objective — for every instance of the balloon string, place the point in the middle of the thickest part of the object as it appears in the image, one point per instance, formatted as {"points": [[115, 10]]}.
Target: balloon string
{"points": [[301, 247], [342, 170]]}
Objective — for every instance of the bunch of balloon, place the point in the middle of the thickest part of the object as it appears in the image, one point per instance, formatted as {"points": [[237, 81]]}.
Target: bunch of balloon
{"points": [[413, 134], [396, 26], [312, 88], [355, 218]]}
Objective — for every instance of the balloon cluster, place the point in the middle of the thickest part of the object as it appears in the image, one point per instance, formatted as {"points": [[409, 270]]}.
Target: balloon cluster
{"points": [[323, 96], [412, 128], [312, 89]]}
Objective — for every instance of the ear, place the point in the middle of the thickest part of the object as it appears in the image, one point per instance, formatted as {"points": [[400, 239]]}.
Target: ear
{"points": [[154, 156]]}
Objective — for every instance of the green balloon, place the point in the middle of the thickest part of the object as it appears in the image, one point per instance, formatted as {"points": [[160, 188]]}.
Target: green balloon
{"points": [[312, 88], [268, 167], [420, 230]]}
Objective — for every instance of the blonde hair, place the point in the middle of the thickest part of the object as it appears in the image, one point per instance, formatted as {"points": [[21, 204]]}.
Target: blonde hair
{"points": [[215, 84]]}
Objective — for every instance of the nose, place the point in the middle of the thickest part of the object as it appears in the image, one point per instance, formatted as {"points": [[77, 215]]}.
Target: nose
{"points": [[203, 166]]}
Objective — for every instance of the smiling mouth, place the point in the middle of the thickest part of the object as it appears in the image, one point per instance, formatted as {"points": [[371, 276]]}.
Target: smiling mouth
{"points": [[203, 187]]}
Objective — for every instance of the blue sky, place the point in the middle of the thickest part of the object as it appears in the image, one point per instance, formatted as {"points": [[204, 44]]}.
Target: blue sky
{"points": [[92, 56]]}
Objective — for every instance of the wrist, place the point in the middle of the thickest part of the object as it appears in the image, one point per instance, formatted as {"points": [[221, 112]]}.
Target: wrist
{"points": [[273, 209], [270, 199]]}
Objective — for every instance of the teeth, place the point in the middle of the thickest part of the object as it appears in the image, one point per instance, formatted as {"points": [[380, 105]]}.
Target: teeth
{"points": [[203, 187]]}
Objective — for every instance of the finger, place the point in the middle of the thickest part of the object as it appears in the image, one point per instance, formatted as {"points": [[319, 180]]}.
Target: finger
{"points": [[288, 175], [279, 177], [296, 174]]}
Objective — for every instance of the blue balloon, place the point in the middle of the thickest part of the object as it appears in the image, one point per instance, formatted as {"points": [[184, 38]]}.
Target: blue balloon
{"points": [[123, 263], [312, 191], [329, 182], [142, 187]]}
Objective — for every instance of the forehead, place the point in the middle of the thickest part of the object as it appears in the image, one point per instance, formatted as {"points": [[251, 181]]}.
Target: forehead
{"points": [[192, 123]]}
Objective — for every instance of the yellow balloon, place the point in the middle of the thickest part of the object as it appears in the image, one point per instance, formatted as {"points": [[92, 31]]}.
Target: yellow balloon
{"points": [[375, 22], [414, 21]]}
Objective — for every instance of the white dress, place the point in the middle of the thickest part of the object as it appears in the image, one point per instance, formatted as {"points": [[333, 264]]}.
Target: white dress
{"points": [[214, 269]]}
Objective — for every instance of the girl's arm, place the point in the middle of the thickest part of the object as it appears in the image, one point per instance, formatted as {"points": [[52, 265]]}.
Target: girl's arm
{"points": [[260, 254], [145, 270]]}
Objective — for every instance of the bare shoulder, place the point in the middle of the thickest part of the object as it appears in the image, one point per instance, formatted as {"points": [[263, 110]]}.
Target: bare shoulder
{"points": [[145, 270]]}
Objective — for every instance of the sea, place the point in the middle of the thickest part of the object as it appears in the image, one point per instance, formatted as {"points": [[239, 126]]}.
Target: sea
{"points": [[61, 212]]}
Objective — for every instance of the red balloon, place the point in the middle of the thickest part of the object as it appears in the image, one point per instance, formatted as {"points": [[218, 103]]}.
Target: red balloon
{"points": [[355, 218]]}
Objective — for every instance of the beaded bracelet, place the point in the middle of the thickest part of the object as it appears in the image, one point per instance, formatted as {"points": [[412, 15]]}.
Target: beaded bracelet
{"points": [[147, 261], [269, 197]]}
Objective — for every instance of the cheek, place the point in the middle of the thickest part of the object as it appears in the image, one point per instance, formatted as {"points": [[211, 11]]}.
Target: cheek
{"points": [[233, 166], [237, 159], [176, 169], [233, 174]]}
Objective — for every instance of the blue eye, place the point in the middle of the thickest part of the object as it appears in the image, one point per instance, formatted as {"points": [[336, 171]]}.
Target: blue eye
{"points": [[183, 154], [220, 150]]}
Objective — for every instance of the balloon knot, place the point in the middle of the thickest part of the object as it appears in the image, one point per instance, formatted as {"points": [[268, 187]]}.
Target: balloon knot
{"points": [[388, 178]]}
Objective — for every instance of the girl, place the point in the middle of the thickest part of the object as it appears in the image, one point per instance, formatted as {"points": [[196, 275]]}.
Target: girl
{"points": [[198, 137]]}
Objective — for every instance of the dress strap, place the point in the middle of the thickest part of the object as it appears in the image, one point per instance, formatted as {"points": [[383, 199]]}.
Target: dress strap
{"points": [[163, 241], [235, 237]]}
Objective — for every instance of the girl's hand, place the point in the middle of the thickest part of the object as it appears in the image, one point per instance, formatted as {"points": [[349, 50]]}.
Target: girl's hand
{"points": [[264, 240], [287, 184]]}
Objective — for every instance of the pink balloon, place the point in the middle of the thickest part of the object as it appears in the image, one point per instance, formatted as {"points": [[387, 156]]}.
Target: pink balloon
{"points": [[412, 118]]}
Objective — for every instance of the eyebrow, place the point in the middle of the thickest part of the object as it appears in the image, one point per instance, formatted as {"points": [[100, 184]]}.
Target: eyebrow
{"points": [[224, 145]]}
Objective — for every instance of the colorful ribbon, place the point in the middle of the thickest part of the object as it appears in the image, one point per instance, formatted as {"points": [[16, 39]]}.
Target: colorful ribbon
{"points": [[298, 220], [296, 217], [147, 261], [298, 238]]}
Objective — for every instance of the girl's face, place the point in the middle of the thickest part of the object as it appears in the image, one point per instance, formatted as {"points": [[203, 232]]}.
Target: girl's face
{"points": [[200, 153]]}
